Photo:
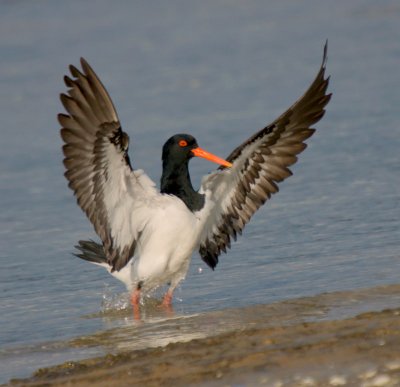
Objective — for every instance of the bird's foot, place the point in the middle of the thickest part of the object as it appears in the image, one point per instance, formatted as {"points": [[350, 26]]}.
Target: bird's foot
{"points": [[167, 300], [166, 303], [135, 301]]}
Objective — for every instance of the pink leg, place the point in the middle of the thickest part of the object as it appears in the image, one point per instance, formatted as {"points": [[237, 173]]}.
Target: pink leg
{"points": [[135, 301], [167, 300]]}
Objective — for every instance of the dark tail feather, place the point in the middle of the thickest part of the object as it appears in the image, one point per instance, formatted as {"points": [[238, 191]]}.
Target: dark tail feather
{"points": [[91, 251]]}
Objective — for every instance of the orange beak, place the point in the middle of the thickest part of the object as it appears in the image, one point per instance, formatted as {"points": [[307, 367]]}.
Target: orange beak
{"points": [[198, 152]]}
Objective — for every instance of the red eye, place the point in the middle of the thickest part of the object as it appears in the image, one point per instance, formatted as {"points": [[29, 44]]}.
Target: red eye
{"points": [[182, 143]]}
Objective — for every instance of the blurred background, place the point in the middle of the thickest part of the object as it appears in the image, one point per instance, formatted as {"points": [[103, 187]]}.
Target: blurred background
{"points": [[219, 70]]}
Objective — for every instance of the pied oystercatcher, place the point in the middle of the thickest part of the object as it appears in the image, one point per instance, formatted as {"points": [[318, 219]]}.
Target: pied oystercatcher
{"points": [[148, 235]]}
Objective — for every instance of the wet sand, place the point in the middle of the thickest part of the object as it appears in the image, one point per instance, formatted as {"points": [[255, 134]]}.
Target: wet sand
{"points": [[342, 338]]}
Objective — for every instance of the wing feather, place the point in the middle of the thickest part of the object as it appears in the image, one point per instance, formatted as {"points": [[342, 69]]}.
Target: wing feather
{"points": [[98, 167], [235, 194]]}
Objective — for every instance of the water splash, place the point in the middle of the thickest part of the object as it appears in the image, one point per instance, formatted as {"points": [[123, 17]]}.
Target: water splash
{"points": [[114, 302]]}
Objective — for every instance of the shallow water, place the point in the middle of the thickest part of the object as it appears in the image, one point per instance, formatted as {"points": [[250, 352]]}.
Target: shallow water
{"points": [[322, 324], [219, 70]]}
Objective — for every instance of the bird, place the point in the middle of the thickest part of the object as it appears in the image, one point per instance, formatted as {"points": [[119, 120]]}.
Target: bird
{"points": [[148, 234]]}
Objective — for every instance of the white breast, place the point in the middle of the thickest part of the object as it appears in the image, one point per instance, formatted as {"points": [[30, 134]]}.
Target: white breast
{"points": [[165, 245]]}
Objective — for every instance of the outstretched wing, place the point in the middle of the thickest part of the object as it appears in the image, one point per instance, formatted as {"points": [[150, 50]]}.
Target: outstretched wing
{"points": [[234, 194], [98, 167]]}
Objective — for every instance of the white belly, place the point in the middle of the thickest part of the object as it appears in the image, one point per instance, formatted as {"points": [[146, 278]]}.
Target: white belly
{"points": [[165, 246]]}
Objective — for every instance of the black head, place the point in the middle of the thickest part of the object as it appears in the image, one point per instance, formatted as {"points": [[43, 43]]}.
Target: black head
{"points": [[175, 179], [182, 147], [179, 148]]}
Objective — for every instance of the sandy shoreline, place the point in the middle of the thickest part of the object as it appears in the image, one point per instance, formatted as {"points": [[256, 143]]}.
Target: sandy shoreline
{"points": [[325, 340]]}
